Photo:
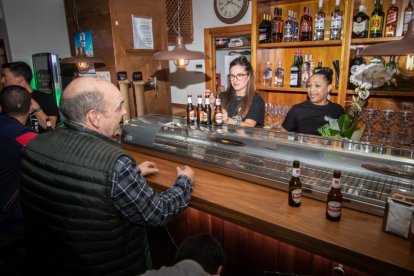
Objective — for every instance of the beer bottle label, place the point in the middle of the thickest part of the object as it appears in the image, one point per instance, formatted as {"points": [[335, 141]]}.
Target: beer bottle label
{"points": [[336, 183], [192, 117], [296, 172], [334, 209], [296, 195], [219, 118]]}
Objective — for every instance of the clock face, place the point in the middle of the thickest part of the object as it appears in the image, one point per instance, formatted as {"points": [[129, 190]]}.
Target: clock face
{"points": [[230, 11]]}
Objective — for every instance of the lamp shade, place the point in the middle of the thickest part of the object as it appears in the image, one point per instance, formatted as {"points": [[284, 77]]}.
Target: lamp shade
{"points": [[402, 47], [180, 52]]}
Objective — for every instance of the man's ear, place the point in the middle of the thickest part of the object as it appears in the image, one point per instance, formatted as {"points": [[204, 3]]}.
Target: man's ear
{"points": [[93, 118]]}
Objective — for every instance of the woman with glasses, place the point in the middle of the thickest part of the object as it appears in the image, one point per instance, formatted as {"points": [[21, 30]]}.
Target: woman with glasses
{"points": [[240, 102], [309, 115]]}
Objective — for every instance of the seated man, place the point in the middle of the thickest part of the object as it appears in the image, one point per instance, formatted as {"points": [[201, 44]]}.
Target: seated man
{"points": [[15, 109], [86, 203]]}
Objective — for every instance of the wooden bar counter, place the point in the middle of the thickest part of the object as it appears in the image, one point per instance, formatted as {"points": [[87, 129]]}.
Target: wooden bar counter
{"points": [[357, 240]]}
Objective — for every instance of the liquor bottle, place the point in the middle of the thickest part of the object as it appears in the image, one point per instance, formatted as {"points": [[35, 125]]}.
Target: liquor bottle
{"points": [[306, 25], [312, 65], [218, 113], [391, 67], [360, 25], [277, 26], [377, 60], [391, 20], [279, 75], [288, 28], [357, 64], [377, 20], [318, 68], [334, 198], [295, 27], [408, 16], [264, 30], [267, 75], [336, 22], [295, 72], [207, 110], [319, 27], [305, 73], [200, 109], [48, 124], [190, 110], [295, 186]]}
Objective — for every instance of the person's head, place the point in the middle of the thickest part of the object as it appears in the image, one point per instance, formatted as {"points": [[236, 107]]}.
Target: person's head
{"points": [[205, 250], [16, 73], [320, 84], [94, 103], [15, 101]]}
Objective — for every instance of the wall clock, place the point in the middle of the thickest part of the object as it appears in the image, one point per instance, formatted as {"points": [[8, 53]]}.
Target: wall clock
{"points": [[230, 11]]}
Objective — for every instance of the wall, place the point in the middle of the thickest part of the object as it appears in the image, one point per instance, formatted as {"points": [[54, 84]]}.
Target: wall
{"points": [[189, 79], [34, 27]]}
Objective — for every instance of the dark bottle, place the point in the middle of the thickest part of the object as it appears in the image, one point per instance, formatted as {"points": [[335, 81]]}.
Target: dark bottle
{"points": [[190, 110], [391, 20], [295, 27], [306, 25], [264, 28], [318, 68], [391, 67], [48, 124], [360, 25], [334, 199], [319, 27], [207, 111], [295, 186], [277, 26], [377, 20], [200, 109], [295, 72], [305, 73], [408, 16], [336, 23], [357, 64], [218, 113]]}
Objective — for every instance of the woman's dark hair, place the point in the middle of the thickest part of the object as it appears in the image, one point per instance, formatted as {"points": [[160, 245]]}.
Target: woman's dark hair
{"points": [[326, 72], [250, 91]]}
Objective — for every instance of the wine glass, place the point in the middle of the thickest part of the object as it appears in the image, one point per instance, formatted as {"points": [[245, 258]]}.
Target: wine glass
{"points": [[268, 112], [387, 119], [405, 121], [369, 116]]}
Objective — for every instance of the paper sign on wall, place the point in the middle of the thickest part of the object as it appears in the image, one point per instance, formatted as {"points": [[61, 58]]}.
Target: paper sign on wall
{"points": [[142, 32]]}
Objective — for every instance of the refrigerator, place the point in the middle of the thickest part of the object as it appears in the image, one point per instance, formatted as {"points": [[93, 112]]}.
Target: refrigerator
{"points": [[46, 74]]}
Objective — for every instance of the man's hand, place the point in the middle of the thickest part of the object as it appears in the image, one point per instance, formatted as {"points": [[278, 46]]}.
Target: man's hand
{"points": [[147, 168], [186, 170]]}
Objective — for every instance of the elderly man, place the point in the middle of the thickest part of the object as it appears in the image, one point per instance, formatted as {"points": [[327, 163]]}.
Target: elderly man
{"points": [[86, 203]]}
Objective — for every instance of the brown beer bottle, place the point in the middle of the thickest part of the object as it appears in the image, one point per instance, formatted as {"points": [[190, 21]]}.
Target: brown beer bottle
{"points": [[218, 113], [334, 201], [207, 111], [48, 124], [295, 186], [190, 110], [200, 109]]}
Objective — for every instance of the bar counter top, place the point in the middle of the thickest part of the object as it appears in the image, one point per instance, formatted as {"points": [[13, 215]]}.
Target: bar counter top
{"points": [[356, 240]]}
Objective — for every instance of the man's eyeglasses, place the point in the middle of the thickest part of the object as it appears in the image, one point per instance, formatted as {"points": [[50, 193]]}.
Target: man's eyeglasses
{"points": [[237, 77]]}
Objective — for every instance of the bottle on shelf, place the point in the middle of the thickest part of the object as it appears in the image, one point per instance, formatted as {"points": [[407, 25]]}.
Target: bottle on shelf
{"points": [[190, 110], [391, 67], [295, 27], [288, 28], [377, 20], [391, 20], [408, 16], [264, 27], [360, 25], [200, 109], [336, 22], [306, 25], [207, 110], [267, 75], [334, 198], [48, 124], [295, 72], [295, 186], [279, 75], [305, 73], [277, 26], [377, 60], [312, 65], [218, 113], [319, 26], [318, 68], [357, 64]]}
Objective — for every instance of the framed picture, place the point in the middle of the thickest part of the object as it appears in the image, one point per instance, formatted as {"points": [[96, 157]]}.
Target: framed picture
{"points": [[142, 32], [83, 43]]}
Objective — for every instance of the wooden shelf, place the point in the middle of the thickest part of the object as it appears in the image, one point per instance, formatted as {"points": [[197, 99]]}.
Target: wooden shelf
{"points": [[386, 93], [301, 44], [369, 41]]}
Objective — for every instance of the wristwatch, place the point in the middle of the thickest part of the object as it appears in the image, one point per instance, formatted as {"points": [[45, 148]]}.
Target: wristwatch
{"points": [[238, 119], [37, 109]]}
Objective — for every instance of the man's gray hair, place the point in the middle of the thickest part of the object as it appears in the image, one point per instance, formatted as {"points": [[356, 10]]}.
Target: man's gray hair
{"points": [[75, 108]]}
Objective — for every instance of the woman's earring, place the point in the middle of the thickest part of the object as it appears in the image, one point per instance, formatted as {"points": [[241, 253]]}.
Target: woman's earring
{"points": [[328, 96]]}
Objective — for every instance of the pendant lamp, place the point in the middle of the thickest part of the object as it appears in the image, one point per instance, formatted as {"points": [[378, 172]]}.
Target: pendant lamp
{"points": [[180, 54]]}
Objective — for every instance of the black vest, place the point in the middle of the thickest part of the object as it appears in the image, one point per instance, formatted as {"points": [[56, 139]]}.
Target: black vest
{"points": [[72, 226]]}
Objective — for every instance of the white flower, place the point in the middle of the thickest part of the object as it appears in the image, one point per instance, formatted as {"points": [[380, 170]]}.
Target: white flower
{"points": [[363, 94], [333, 123]]}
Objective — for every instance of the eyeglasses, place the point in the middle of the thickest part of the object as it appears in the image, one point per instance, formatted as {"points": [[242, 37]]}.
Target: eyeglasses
{"points": [[237, 77]]}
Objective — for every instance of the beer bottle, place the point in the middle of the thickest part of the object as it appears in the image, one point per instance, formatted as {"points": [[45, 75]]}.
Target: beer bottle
{"points": [[295, 186], [218, 113], [200, 109], [207, 111], [48, 124], [190, 110], [334, 202]]}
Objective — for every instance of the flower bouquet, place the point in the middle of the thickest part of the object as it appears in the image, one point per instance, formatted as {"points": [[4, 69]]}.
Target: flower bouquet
{"points": [[371, 76]]}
